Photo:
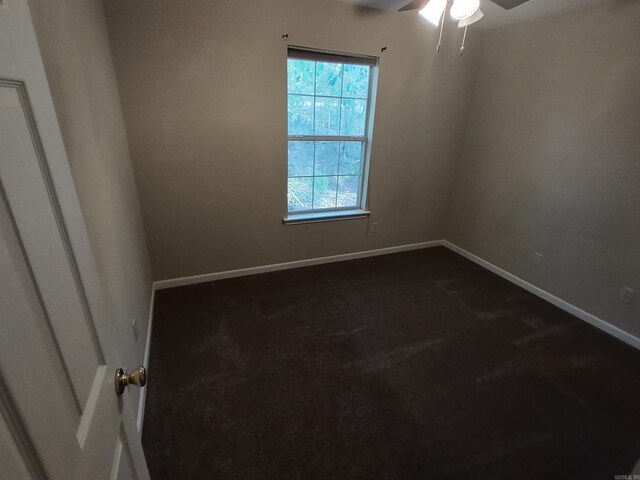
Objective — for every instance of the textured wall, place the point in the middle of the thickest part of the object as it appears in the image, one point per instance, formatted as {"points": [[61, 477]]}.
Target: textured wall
{"points": [[76, 53], [204, 93], [551, 159]]}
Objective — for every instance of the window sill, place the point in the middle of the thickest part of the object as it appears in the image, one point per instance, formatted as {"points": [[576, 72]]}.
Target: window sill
{"points": [[317, 217]]}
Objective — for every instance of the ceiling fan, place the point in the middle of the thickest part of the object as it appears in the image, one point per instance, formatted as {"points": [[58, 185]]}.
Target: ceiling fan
{"points": [[465, 12]]}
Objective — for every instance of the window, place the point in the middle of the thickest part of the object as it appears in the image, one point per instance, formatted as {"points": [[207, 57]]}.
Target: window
{"points": [[329, 128]]}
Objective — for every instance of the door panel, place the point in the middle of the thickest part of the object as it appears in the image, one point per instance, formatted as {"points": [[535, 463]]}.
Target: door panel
{"points": [[13, 465], [123, 468], [34, 211], [27, 352], [60, 416]]}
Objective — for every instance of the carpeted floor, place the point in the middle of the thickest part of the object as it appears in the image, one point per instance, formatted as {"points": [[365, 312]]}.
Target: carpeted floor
{"points": [[414, 365]]}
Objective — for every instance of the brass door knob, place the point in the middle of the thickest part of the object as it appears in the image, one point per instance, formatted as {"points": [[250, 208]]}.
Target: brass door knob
{"points": [[136, 377]]}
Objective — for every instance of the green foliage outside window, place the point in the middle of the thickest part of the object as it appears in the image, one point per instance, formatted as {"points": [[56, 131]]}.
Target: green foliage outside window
{"points": [[326, 99]]}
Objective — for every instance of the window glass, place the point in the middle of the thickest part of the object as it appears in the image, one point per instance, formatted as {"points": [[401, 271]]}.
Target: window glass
{"points": [[328, 103]]}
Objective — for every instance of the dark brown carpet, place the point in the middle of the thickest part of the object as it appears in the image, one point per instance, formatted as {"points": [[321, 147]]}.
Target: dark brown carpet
{"points": [[413, 365]]}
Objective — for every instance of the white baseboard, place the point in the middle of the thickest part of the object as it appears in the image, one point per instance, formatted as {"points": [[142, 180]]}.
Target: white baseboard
{"points": [[558, 302], [208, 277], [145, 363]]}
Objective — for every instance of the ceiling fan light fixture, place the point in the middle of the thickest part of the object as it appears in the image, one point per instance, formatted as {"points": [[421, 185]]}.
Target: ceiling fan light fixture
{"points": [[433, 11], [465, 22], [462, 9]]}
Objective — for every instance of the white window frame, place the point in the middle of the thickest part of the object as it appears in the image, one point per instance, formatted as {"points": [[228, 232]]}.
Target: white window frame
{"points": [[338, 213]]}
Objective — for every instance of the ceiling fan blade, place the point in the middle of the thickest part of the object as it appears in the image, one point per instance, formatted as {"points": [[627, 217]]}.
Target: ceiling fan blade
{"points": [[414, 5], [509, 4]]}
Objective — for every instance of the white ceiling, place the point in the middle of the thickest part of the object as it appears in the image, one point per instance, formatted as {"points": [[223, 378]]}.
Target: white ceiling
{"points": [[496, 16]]}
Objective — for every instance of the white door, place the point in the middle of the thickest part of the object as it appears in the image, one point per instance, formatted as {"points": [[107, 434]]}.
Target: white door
{"points": [[60, 417]]}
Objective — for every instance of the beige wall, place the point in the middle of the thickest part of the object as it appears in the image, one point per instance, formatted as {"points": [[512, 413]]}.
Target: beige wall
{"points": [[551, 159], [203, 87], [75, 49], [547, 155]]}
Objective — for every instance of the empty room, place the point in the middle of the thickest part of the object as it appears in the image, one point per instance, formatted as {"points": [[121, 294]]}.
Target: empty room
{"points": [[319, 239]]}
